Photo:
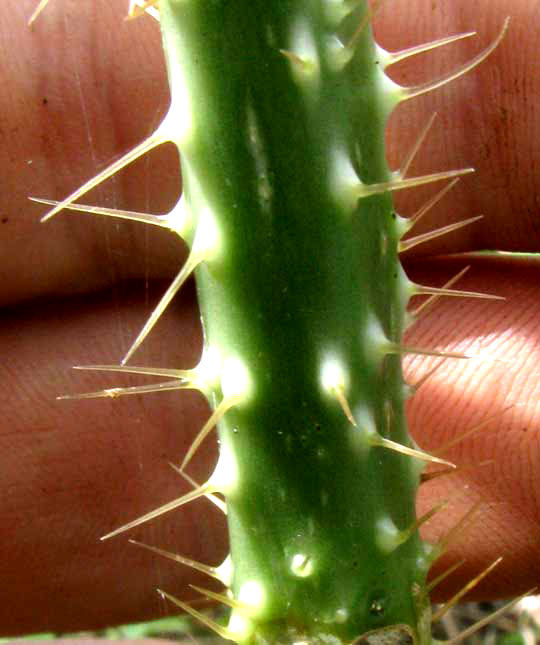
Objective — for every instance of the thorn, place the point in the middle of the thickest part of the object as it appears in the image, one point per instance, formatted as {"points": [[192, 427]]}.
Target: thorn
{"points": [[392, 348], [382, 442], [394, 57], [429, 204], [340, 396], [186, 375], [405, 245], [37, 11], [210, 496], [226, 600], [217, 414], [432, 299], [145, 146], [366, 190], [488, 619], [422, 290], [180, 501], [457, 597], [156, 220], [450, 444], [425, 477], [407, 533], [199, 566], [426, 377], [411, 92], [367, 18], [208, 622], [193, 260], [115, 392], [436, 581], [388, 416], [295, 59], [440, 547], [419, 141], [334, 381], [202, 377]]}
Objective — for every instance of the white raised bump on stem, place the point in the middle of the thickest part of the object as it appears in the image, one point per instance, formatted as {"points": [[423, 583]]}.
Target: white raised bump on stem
{"points": [[344, 182], [302, 565], [236, 387], [175, 220], [207, 373], [253, 596], [218, 503], [383, 442]]}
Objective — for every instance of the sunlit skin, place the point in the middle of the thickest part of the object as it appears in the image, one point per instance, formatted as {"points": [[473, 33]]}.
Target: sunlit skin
{"points": [[82, 87]]}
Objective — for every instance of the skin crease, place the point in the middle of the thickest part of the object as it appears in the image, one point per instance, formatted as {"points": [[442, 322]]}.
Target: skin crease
{"points": [[82, 87]]}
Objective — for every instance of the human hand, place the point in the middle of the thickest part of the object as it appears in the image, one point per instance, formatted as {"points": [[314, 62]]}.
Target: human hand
{"points": [[76, 97]]}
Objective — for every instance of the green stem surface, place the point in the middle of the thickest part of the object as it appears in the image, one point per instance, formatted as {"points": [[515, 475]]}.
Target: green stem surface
{"points": [[280, 127]]}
